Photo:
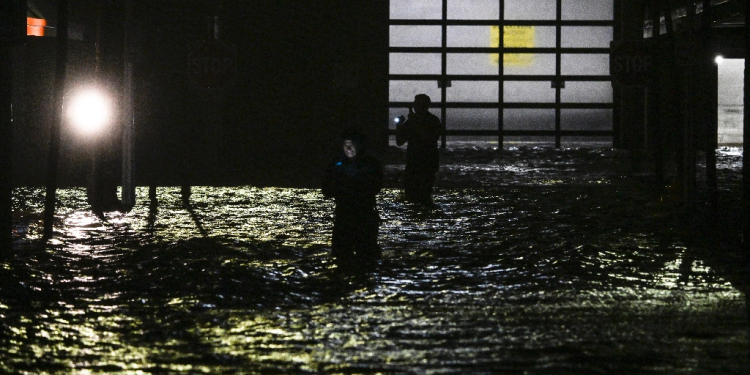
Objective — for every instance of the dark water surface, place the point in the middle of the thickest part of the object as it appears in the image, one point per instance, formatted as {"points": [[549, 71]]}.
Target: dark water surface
{"points": [[532, 261]]}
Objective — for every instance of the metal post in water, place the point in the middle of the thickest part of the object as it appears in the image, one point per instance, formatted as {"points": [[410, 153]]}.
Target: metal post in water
{"points": [[57, 116], [6, 144], [671, 87], [708, 80], [185, 192], [746, 139], [655, 98], [216, 27], [152, 193], [688, 110], [128, 186], [12, 31], [216, 118]]}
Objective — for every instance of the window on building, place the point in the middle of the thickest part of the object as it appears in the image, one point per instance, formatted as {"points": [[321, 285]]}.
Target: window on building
{"points": [[552, 83]]}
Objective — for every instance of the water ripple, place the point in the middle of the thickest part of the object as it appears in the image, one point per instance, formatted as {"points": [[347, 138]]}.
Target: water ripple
{"points": [[532, 260]]}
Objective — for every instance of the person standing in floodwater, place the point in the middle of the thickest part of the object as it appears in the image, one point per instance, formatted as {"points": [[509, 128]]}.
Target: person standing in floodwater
{"points": [[353, 180], [421, 130]]}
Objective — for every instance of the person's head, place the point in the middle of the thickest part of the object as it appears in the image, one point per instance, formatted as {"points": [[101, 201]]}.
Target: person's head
{"points": [[422, 103], [350, 149], [352, 143]]}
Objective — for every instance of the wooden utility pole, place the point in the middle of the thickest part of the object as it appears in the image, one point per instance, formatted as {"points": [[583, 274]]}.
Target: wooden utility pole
{"points": [[57, 116]]}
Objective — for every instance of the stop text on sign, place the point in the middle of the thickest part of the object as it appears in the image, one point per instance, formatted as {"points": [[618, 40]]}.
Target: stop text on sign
{"points": [[630, 62], [212, 65]]}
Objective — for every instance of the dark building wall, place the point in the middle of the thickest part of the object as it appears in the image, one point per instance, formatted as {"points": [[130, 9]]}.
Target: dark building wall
{"points": [[34, 77], [32, 111], [676, 110], [630, 102], [305, 70]]}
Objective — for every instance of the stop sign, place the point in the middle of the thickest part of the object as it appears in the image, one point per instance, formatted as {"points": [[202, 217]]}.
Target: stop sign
{"points": [[213, 64], [630, 62]]}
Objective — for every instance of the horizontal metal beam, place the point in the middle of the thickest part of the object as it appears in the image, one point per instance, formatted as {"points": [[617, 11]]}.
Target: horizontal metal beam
{"points": [[537, 133], [439, 22], [512, 105], [535, 50], [509, 77]]}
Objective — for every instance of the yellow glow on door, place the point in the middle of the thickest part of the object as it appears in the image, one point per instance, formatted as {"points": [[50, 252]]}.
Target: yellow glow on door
{"points": [[515, 37]]}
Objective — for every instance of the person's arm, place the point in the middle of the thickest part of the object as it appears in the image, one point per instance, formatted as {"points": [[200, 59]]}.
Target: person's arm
{"points": [[375, 177], [404, 129], [330, 182], [402, 133], [437, 129]]}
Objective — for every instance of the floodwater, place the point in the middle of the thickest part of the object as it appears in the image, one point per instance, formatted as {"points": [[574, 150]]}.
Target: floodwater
{"points": [[532, 261]]}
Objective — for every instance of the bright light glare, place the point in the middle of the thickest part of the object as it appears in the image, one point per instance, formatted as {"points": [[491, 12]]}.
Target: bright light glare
{"points": [[89, 111], [719, 59]]}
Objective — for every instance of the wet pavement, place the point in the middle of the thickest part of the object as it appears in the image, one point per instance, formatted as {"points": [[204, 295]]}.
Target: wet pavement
{"points": [[532, 261]]}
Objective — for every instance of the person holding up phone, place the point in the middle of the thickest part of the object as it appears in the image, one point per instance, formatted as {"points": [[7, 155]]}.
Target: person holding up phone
{"points": [[421, 132]]}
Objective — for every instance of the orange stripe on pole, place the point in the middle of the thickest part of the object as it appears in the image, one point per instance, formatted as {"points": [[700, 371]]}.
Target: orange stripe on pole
{"points": [[35, 26]]}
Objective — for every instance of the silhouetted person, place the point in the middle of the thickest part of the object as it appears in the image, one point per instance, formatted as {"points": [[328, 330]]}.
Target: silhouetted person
{"points": [[353, 180], [421, 131]]}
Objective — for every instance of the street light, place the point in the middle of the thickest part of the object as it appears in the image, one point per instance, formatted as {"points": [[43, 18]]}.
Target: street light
{"points": [[89, 111]]}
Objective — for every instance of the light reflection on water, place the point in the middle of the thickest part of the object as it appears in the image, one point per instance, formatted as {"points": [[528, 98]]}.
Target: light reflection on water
{"points": [[507, 273]]}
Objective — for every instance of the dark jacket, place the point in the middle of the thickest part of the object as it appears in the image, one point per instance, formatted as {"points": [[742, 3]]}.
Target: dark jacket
{"points": [[354, 185], [421, 131]]}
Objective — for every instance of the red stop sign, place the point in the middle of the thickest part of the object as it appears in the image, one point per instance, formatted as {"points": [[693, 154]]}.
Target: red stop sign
{"points": [[213, 64]]}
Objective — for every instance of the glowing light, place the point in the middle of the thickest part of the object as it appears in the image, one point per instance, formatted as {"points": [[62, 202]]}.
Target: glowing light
{"points": [[719, 59], [397, 120], [89, 111], [513, 37]]}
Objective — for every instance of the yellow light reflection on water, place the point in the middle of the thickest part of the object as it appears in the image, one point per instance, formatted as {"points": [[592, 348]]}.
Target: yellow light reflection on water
{"points": [[243, 281]]}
